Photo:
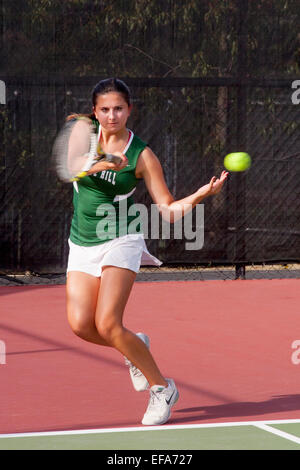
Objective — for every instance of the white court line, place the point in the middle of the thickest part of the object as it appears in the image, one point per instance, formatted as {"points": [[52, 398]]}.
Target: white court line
{"points": [[279, 433], [150, 428]]}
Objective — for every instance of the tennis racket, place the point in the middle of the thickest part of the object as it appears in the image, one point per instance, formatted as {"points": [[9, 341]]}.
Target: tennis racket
{"points": [[76, 149]]}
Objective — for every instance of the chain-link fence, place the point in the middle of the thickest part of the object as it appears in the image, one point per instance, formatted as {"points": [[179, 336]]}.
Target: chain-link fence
{"points": [[219, 78], [190, 125]]}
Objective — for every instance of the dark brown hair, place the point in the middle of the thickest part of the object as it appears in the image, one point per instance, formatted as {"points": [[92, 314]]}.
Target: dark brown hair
{"points": [[109, 85], [106, 86]]}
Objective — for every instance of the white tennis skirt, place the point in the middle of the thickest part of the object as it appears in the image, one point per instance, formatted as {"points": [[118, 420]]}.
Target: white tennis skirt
{"points": [[129, 252]]}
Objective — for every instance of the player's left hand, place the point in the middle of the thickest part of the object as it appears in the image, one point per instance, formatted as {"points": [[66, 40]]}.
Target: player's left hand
{"points": [[215, 185]]}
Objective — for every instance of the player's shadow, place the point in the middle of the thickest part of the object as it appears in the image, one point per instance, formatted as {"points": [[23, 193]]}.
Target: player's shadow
{"points": [[277, 404]]}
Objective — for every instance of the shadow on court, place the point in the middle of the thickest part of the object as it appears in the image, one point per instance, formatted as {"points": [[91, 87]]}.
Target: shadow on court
{"points": [[239, 409], [21, 289]]}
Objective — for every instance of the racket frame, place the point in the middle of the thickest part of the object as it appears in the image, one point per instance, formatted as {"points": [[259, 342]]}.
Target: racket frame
{"points": [[94, 155]]}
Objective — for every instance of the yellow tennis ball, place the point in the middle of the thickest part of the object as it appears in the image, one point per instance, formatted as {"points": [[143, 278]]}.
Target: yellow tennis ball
{"points": [[237, 161]]}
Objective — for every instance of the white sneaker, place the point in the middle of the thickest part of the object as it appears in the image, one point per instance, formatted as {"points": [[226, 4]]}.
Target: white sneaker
{"points": [[139, 381], [161, 401]]}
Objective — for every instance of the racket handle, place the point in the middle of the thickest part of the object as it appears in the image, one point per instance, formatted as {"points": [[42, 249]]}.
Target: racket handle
{"points": [[109, 157], [80, 175]]}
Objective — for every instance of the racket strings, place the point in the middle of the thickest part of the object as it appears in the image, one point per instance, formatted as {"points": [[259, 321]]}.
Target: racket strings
{"points": [[75, 149]]}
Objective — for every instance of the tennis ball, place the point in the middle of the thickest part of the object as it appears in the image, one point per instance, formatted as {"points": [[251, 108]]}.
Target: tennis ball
{"points": [[237, 161]]}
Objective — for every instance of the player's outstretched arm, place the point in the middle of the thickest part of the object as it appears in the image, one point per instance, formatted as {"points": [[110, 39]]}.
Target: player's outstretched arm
{"points": [[149, 168]]}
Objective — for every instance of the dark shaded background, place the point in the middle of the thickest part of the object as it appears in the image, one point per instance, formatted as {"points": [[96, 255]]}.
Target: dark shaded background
{"points": [[207, 78]]}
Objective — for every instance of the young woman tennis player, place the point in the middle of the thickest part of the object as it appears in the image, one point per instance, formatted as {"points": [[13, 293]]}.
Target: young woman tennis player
{"points": [[103, 261]]}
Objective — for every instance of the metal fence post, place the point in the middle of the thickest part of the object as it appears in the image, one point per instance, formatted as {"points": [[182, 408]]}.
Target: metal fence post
{"points": [[240, 183]]}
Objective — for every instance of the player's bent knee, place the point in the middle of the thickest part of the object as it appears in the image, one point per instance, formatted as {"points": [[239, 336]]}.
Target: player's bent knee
{"points": [[110, 331], [80, 327]]}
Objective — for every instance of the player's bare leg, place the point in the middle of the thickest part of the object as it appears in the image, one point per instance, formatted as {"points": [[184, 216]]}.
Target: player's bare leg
{"points": [[115, 288]]}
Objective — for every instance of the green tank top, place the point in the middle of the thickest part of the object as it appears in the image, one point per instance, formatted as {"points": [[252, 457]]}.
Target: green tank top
{"points": [[102, 201]]}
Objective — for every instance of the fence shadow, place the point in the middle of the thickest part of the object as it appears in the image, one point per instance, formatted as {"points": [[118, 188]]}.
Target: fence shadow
{"points": [[276, 404]]}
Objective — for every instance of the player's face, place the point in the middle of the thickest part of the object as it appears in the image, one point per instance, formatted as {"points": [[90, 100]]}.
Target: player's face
{"points": [[112, 111]]}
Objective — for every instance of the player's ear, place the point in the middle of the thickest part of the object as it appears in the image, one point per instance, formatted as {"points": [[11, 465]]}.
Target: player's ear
{"points": [[130, 108]]}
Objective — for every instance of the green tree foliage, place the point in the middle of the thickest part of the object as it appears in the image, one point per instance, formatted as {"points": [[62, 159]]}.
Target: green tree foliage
{"points": [[190, 127], [148, 38]]}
